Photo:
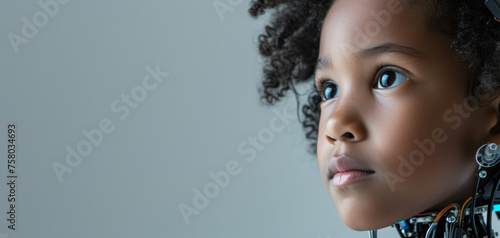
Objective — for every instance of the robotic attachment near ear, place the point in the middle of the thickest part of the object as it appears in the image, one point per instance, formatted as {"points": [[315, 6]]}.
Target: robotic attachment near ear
{"points": [[488, 155], [486, 188], [488, 173], [494, 7]]}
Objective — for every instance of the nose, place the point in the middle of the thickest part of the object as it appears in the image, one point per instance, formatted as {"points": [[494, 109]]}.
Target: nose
{"points": [[345, 123]]}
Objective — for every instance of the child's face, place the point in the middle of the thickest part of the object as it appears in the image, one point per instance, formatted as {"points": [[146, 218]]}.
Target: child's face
{"points": [[394, 123]]}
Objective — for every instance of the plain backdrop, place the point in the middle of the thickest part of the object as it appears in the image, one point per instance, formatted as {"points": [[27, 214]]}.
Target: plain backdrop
{"points": [[68, 69]]}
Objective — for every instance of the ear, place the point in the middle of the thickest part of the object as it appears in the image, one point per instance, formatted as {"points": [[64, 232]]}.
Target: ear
{"points": [[494, 117]]}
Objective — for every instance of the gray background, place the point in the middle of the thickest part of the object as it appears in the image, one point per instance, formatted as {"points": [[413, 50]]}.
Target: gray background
{"points": [[64, 80]]}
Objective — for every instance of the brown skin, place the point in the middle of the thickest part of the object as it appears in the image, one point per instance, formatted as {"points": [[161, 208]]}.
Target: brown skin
{"points": [[374, 126]]}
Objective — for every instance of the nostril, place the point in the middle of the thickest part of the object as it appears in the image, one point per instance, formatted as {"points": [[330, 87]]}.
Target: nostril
{"points": [[331, 140], [348, 135]]}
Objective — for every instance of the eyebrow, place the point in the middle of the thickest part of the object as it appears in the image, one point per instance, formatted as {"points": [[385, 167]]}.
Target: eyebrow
{"points": [[392, 48], [322, 63], [377, 50]]}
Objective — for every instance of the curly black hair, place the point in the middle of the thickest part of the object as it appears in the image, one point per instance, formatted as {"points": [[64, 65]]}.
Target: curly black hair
{"points": [[290, 47]]}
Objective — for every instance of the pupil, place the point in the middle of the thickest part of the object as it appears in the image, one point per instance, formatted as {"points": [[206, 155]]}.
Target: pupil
{"points": [[388, 79]]}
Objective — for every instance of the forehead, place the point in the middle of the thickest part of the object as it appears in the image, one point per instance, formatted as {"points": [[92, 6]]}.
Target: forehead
{"points": [[357, 24]]}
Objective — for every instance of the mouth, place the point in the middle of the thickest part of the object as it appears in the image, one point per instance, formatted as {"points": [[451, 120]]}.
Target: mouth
{"points": [[341, 179], [343, 171]]}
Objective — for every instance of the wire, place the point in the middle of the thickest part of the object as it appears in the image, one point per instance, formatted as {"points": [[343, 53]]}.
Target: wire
{"points": [[429, 231], [445, 209], [473, 206], [462, 211]]}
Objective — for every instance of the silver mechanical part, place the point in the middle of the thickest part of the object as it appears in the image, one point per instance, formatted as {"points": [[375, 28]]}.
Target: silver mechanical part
{"points": [[478, 210], [483, 174], [451, 218], [488, 155]]}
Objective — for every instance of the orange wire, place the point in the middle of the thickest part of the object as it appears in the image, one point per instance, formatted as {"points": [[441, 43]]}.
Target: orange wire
{"points": [[462, 211], [442, 212]]}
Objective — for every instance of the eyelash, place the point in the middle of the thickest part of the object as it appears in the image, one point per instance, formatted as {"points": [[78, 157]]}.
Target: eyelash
{"points": [[323, 83], [321, 86]]}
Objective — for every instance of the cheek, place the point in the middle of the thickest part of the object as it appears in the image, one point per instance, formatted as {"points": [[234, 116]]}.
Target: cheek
{"points": [[322, 152], [426, 157], [395, 127]]}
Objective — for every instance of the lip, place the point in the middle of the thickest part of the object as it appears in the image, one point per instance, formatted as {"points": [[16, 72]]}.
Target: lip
{"points": [[343, 171]]}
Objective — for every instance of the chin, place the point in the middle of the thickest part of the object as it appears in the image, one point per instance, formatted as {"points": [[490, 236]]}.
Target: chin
{"points": [[365, 220], [358, 222], [363, 225]]}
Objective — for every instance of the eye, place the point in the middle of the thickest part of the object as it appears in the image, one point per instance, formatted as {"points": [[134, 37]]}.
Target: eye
{"points": [[389, 78], [330, 90]]}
